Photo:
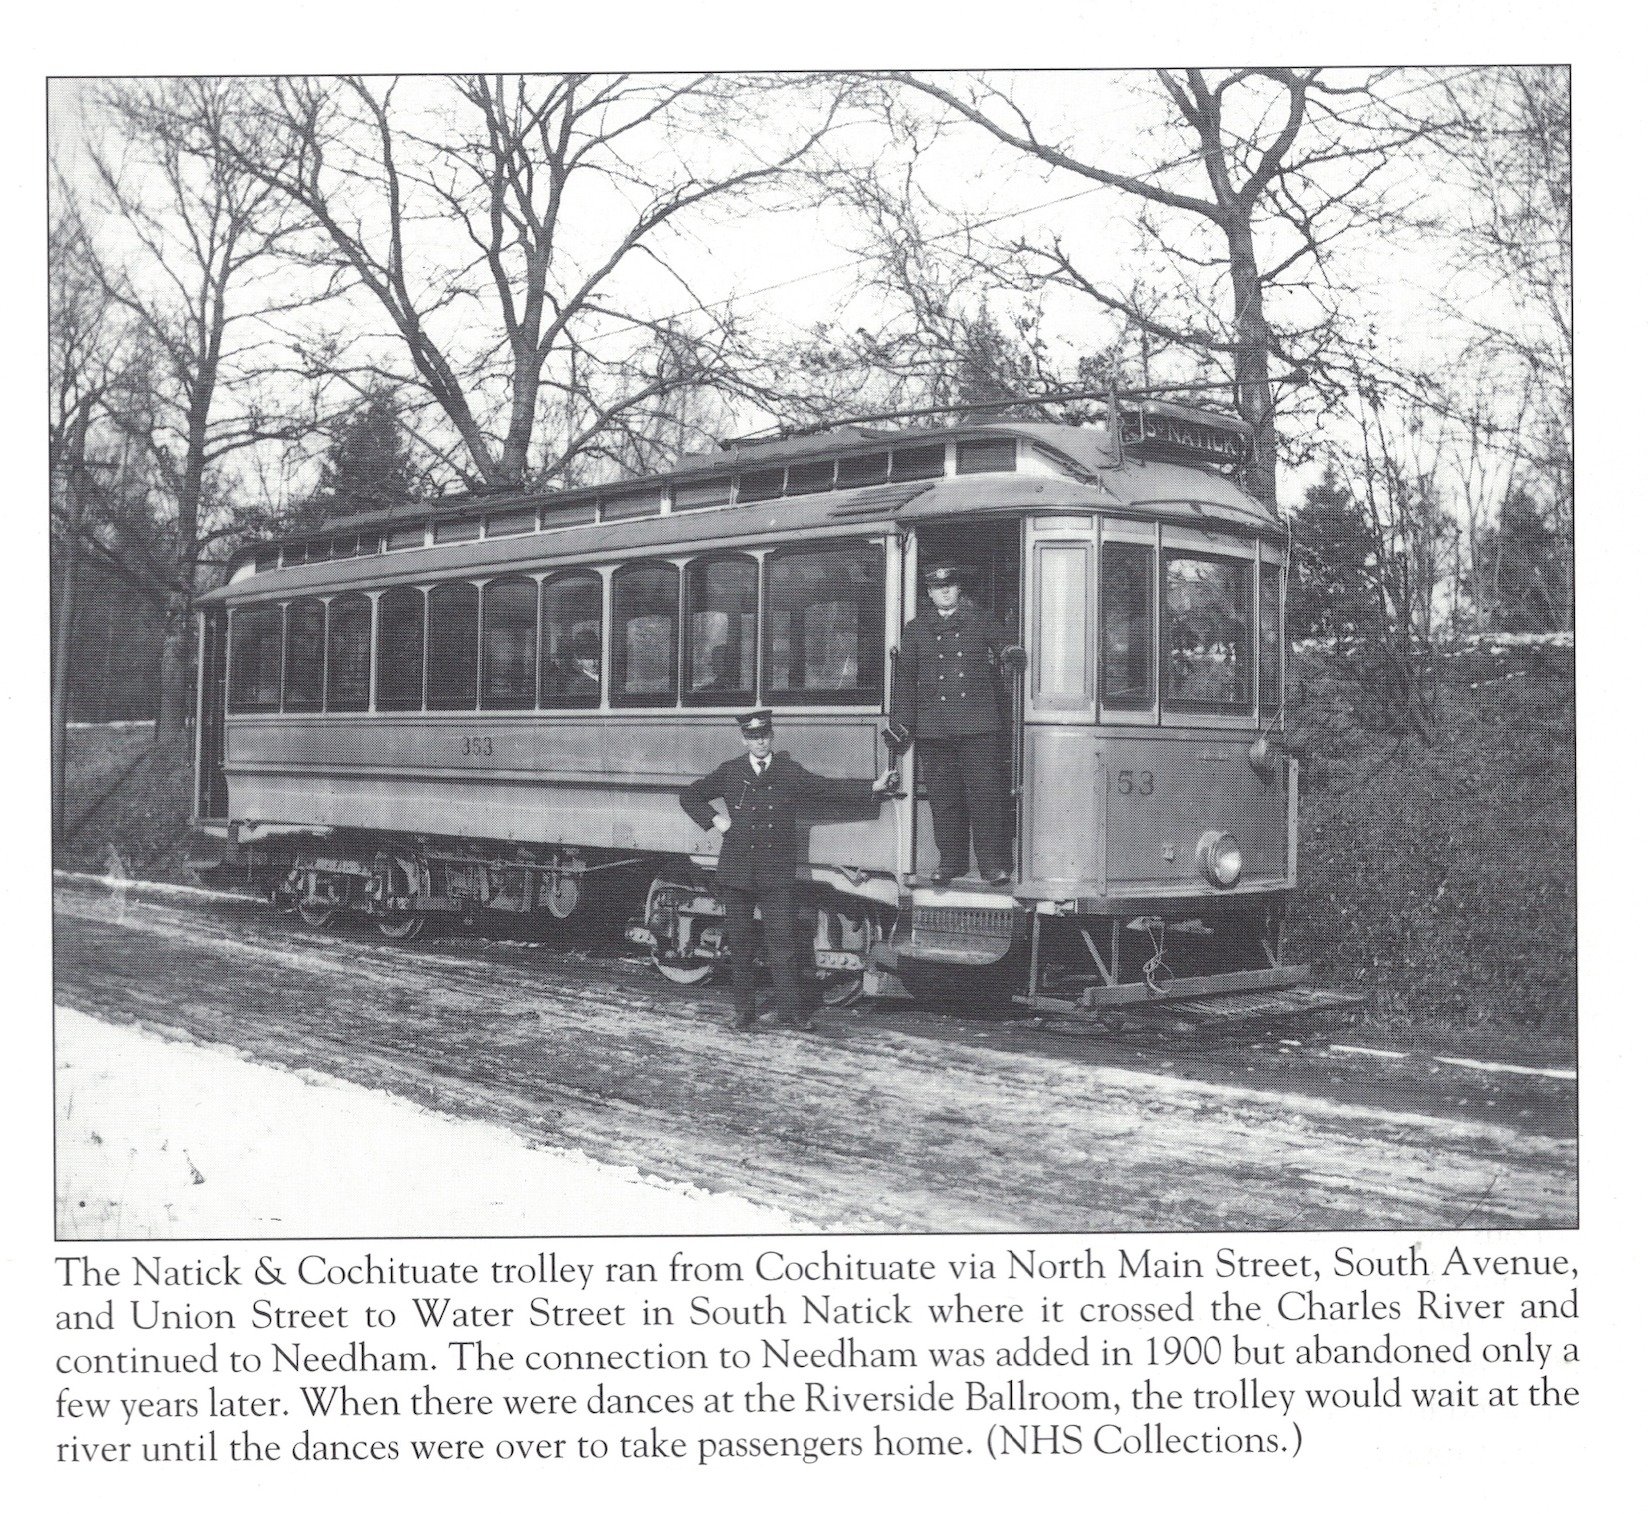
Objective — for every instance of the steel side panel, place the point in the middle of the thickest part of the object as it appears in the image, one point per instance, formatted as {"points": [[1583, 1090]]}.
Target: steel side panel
{"points": [[585, 782], [1195, 786], [1062, 813]]}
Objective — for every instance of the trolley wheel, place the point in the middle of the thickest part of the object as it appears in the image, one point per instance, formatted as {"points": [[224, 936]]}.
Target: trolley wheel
{"points": [[688, 975], [838, 990], [687, 972], [835, 928], [407, 926], [316, 914]]}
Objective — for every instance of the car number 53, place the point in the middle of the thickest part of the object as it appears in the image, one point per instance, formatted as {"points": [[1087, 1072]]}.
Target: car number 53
{"points": [[1140, 781]]}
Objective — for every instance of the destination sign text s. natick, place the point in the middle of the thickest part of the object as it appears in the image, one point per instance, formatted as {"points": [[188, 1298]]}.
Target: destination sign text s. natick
{"points": [[1160, 432]]}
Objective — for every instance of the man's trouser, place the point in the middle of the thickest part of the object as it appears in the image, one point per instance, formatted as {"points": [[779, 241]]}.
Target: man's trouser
{"points": [[777, 903], [966, 791]]}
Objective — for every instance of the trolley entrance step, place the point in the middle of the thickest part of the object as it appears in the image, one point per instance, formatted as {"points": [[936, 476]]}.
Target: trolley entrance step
{"points": [[957, 929]]}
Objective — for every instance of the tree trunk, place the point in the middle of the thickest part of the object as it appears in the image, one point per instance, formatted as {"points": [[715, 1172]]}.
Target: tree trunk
{"points": [[175, 685], [67, 587], [1253, 396], [74, 482]]}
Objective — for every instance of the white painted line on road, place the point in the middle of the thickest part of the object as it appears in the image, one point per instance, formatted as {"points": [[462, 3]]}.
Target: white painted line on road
{"points": [[1370, 1051], [1532, 1072]]}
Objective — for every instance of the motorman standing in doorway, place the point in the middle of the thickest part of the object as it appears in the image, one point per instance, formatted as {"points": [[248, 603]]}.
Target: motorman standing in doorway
{"points": [[947, 698]]}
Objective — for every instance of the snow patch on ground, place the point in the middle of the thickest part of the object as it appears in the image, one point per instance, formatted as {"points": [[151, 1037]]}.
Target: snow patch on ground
{"points": [[166, 1139]]}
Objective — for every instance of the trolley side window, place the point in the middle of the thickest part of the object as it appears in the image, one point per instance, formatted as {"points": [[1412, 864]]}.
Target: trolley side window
{"points": [[721, 604], [646, 599], [400, 650], [454, 625], [825, 625], [1270, 639], [569, 674], [1128, 620], [349, 652], [509, 644], [1207, 633], [305, 654], [254, 664]]}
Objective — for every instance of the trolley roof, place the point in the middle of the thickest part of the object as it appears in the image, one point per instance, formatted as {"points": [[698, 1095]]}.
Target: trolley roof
{"points": [[1085, 476]]}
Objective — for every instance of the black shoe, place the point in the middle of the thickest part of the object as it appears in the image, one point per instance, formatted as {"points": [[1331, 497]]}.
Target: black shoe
{"points": [[942, 879]]}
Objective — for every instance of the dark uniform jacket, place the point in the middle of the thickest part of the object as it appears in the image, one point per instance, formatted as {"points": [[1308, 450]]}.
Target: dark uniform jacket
{"points": [[760, 848], [947, 682]]}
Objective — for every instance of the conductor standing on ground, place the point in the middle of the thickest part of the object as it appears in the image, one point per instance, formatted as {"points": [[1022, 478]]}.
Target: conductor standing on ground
{"points": [[946, 697], [763, 792]]}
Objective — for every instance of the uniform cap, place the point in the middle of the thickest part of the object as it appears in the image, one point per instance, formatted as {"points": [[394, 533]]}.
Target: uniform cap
{"points": [[756, 723], [941, 574]]}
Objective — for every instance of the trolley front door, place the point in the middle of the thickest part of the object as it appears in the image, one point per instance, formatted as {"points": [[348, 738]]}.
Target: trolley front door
{"points": [[1060, 815]]}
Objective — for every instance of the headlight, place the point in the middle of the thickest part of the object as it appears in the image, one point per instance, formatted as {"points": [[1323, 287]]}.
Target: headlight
{"points": [[1219, 858]]}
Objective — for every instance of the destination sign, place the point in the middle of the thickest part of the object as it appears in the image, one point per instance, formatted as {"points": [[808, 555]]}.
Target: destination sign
{"points": [[1198, 436]]}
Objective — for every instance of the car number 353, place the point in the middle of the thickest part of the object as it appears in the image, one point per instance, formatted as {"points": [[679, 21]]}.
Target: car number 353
{"points": [[476, 746]]}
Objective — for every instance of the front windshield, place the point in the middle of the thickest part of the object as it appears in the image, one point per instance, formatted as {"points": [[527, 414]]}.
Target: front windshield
{"points": [[1207, 633]]}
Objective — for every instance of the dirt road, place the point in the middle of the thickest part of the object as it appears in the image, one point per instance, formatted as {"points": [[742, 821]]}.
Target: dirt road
{"points": [[881, 1123]]}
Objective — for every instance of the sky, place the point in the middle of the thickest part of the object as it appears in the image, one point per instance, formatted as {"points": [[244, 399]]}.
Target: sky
{"points": [[794, 269]]}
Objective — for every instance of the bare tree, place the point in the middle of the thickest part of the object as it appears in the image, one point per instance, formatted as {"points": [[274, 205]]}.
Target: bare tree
{"points": [[1392, 470], [1505, 141], [519, 232], [188, 247], [86, 350], [1262, 171], [934, 316]]}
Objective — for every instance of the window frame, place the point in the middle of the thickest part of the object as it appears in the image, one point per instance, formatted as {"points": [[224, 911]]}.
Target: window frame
{"points": [[287, 705], [378, 705], [1238, 555], [276, 609], [743, 697], [558, 701], [617, 650], [1143, 711], [429, 704], [873, 699], [1077, 709], [343, 597], [1276, 568], [531, 702]]}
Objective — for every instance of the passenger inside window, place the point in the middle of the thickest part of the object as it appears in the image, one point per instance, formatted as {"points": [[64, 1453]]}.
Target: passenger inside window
{"points": [[570, 641], [581, 671]]}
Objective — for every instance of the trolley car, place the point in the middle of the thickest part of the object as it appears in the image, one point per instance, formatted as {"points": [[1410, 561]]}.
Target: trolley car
{"points": [[492, 705]]}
